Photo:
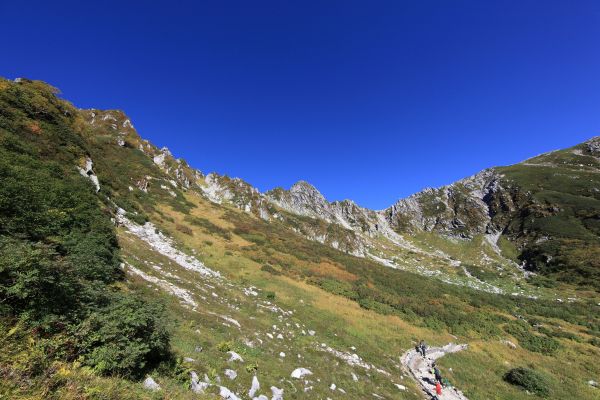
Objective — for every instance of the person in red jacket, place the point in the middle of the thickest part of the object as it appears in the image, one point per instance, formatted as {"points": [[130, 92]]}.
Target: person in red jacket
{"points": [[438, 388]]}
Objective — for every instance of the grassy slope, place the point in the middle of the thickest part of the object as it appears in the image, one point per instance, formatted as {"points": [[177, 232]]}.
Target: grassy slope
{"points": [[300, 276], [348, 301], [559, 233]]}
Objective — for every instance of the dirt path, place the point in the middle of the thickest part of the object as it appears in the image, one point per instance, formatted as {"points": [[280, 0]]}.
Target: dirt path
{"points": [[420, 369]]}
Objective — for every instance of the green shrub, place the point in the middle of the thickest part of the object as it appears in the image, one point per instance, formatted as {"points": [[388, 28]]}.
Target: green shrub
{"points": [[124, 338], [58, 247], [270, 269], [225, 346], [530, 341], [270, 295], [529, 380]]}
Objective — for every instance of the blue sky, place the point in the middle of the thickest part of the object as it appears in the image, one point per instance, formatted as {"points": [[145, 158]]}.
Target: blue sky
{"points": [[369, 100]]}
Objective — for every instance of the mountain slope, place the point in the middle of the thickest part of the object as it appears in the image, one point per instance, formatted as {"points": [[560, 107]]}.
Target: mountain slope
{"points": [[287, 281]]}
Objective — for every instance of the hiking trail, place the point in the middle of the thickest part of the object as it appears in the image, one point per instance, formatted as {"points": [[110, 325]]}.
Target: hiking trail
{"points": [[420, 369]]}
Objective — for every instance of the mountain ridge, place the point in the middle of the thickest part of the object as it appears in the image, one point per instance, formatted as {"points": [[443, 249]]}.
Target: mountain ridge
{"points": [[485, 204]]}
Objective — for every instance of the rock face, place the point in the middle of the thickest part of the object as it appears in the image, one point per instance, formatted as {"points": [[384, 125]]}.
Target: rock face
{"points": [[88, 171], [464, 208], [304, 199]]}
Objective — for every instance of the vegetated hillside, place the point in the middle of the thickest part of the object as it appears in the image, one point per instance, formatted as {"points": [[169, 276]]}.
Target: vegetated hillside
{"points": [[547, 207], [254, 288]]}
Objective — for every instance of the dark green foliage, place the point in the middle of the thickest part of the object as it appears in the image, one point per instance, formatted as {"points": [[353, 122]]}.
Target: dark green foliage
{"points": [[35, 283], [270, 295], [529, 380], [124, 338], [531, 341], [58, 248]]}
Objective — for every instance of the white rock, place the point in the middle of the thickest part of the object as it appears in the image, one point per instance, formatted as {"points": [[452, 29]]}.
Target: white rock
{"points": [[235, 356], [227, 394], [277, 393], [354, 377], [332, 386], [401, 387], [231, 374], [197, 386], [255, 387], [151, 384], [282, 354], [300, 372]]}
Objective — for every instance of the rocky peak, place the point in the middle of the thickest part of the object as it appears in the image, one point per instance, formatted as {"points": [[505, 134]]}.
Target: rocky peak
{"points": [[593, 145], [307, 193]]}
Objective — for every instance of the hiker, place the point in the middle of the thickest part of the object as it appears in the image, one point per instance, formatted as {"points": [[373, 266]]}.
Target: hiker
{"points": [[438, 389], [438, 375], [423, 348]]}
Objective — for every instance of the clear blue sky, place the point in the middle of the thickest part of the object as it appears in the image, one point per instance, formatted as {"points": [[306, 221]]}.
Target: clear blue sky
{"points": [[369, 100]]}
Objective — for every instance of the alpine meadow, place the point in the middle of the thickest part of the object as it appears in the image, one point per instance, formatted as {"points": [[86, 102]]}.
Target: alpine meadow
{"points": [[125, 273]]}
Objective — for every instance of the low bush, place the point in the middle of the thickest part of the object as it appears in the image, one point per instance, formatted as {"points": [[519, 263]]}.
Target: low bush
{"points": [[531, 341], [184, 229], [529, 380], [124, 338]]}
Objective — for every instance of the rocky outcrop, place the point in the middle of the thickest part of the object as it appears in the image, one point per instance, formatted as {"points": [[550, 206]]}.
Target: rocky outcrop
{"points": [[87, 170], [462, 209]]}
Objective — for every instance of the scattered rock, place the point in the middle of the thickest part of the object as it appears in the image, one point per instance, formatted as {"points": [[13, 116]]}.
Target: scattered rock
{"points": [[300, 372], [227, 394], [235, 356], [196, 386], [254, 388], [593, 383], [277, 393], [231, 374], [151, 384]]}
